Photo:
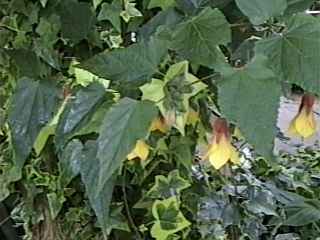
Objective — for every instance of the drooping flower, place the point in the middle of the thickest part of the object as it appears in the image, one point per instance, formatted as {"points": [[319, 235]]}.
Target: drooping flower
{"points": [[141, 151], [159, 124], [221, 150], [304, 123]]}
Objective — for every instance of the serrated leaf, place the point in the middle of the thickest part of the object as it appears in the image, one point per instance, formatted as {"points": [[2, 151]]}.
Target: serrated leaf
{"points": [[111, 12], [124, 124], [99, 200], [166, 187], [168, 218], [32, 106], [292, 53], [143, 57], [198, 38], [250, 97], [259, 11], [163, 4], [77, 20], [78, 111]]}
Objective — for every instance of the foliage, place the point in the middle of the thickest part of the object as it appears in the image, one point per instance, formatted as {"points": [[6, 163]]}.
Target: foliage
{"points": [[81, 82]]}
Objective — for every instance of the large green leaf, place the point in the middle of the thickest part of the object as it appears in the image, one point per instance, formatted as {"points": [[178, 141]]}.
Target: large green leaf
{"points": [[168, 218], [259, 11], [303, 213], [77, 20], [298, 6], [293, 54], [32, 106], [99, 201], [164, 4], [79, 110], [198, 38], [134, 64], [124, 124], [111, 12], [250, 97]]}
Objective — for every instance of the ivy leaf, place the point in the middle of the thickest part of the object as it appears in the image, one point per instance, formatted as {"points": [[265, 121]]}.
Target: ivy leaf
{"points": [[166, 187], [292, 54], [77, 20], [111, 12], [198, 38], [241, 100], [130, 11], [32, 106], [143, 57], [124, 124], [168, 218], [163, 4], [99, 200], [303, 213], [259, 11], [78, 111], [153, 91]]}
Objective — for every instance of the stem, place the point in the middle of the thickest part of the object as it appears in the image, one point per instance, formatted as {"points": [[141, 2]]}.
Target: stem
{"points": [[127, 208]]}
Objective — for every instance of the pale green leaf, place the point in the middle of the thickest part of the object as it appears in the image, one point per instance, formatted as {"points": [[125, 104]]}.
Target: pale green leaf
{"points": [[163, 4]]}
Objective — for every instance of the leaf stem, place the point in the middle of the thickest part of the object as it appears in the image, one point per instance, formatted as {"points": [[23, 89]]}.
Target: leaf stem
{"points": [[127, 208]]}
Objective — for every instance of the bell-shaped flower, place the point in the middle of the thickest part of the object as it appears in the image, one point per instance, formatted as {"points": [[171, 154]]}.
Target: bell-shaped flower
{"points": [[221, 150], [141, 151], [304, 123], [159, 124]]}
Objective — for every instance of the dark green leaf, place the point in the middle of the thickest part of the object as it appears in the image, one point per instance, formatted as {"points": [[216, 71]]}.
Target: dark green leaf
{"points": [[77, 20], [78, 111], [303, 214], [134, 64], [166, 187], [292, 54], [124, 124], [245, 97], [259, 11], [111, 12], [198, 38], [295, 6], [32, 106], [99, 201]]}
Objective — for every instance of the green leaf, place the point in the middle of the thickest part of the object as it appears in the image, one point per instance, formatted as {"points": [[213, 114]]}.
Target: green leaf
{"points": [[111, 12], [168, 218], [164, 4], [130, 11], [78, 111], [292, 53], [250, 97], [32, 106], [77, 20], [69, 164], [143, 57], [166, 187], [295, 6], [99, 200], [259, 11], [303, 213], [198, 38], [124, 124]]}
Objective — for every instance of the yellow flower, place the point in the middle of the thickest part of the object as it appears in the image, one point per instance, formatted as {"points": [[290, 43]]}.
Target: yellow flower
{"points": [[159, 124], [221, 150], [141, 151], [304, 123]]}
